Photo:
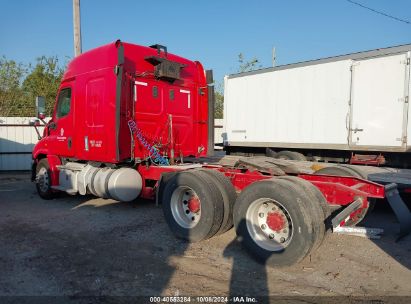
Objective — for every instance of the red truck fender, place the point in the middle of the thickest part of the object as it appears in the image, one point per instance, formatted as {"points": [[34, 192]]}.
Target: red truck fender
{"points": [[53, 161]]}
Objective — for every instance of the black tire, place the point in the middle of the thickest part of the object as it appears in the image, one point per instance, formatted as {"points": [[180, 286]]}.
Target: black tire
{"points": [[43, 180], [314, 190], [342, 170], [211, 202], [229, 197], [290, 155], [363, 175], [338, 170], [270, 153], [318, 205], [311, 203], [303, 231], [357, 171], [165, 177]]}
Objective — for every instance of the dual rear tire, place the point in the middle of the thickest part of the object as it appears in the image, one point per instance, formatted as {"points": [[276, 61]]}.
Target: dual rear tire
{"points": [[278, 221], [198, 204]]}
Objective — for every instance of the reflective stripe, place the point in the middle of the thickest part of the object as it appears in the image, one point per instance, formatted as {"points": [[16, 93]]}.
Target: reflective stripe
{"points": [[189, 93]]}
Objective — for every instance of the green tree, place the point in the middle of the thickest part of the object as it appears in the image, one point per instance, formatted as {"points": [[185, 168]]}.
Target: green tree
{"points": [[43, 80], [11, 95], [247, 65], [244, 65], [219, 101], [20, 84]]}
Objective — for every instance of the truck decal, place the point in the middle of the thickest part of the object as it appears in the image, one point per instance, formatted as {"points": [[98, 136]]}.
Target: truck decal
{"points": [[135, 131]]}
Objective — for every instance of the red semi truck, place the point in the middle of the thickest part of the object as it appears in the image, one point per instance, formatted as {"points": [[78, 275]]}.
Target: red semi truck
{"points": [[133, 121]]}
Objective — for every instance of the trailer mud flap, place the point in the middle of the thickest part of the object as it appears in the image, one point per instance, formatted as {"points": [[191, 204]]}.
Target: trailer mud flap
{"points": [[400, 209]]}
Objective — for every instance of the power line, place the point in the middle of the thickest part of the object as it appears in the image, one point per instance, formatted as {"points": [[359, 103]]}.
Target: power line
{"points": [[379, 12]]}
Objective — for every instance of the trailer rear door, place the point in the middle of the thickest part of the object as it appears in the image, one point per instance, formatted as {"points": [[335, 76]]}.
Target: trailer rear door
{"points": [[378, 103]]}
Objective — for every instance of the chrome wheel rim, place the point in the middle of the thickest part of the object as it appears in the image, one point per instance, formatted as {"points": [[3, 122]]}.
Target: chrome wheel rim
{"points": [[43, 180], [269, 224], [185, 207]]}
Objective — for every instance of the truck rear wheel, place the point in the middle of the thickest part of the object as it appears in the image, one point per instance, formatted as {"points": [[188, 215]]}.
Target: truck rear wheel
{"points": [[290, 155], [229, 197], [192, 206], [338, 170], [342, 170], [316, 202], [270, 153], [43, 180], [362, 174], [274, 224]]}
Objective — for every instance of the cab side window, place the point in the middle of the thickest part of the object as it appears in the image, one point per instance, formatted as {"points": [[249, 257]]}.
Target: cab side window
{"points": [[63, 103]]}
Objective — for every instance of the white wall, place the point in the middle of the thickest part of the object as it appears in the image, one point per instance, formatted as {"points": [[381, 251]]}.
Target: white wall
{"points": [[20, 139], [23, 138], [218, 131], [306, 104]]}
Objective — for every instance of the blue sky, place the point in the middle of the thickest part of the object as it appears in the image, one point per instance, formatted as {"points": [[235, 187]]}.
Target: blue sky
{"points": [[212, 31]]}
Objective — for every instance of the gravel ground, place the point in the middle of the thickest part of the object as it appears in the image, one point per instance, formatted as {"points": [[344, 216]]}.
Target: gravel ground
{"points": [[84, 246]]}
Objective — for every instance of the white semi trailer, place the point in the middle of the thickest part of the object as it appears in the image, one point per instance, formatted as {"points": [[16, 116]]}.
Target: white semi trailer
{"points": [[350, 108]]}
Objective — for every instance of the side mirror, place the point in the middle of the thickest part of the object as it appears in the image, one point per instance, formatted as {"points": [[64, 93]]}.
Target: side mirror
{"points": [[40, 107], [34, 122]]}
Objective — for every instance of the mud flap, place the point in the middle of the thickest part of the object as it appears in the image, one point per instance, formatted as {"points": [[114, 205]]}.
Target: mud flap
{"points": [[400, 209]]}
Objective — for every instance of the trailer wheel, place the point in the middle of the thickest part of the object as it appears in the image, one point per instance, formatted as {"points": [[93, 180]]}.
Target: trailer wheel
{"points": [[290, 155], [229, 197], [192, 206], [348, 171], [273, 222], [43, 180]]}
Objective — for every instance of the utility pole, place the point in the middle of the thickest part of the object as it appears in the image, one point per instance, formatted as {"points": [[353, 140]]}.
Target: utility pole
{"points": [[76, 27]]}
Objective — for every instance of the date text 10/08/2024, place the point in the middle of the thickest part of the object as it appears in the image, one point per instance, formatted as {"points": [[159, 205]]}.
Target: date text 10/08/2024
{"points": [[203, 299]]}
